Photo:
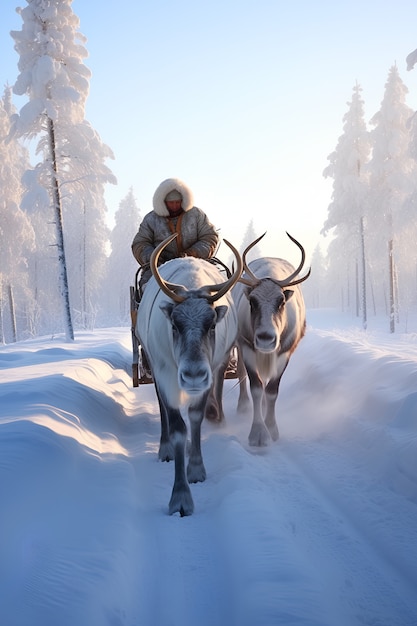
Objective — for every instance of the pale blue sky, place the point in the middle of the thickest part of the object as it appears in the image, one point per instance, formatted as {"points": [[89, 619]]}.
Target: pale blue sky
{"points": [[243, 100]]}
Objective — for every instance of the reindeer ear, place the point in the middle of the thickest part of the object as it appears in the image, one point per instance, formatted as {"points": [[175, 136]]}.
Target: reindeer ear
{"points": [[166, 308], [220, 312], [288, 293]]}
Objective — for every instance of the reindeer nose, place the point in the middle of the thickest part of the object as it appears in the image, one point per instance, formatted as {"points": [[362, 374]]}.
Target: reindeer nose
{"points": [[194, 380], [266, 342]]}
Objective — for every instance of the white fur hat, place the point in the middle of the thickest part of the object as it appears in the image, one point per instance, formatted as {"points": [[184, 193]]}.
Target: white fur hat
{"points": [[173, 195], [168, 185]]}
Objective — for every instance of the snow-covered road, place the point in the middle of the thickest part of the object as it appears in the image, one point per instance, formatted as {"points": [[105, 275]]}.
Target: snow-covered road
{"points": [[318, 529]]}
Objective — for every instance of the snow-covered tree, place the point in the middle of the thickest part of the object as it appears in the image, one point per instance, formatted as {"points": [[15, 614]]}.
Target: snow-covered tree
{"points": [[249, 236], [16, 234], [67, 184], [347, 211], [392, 173], [408, 250], [122, 266], [315, 287]]}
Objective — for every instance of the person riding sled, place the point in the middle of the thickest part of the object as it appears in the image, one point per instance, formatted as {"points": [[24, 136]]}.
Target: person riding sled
{"points": [[173, 212]]}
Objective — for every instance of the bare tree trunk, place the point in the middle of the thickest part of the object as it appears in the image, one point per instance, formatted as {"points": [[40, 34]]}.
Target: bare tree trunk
{"points": [[2, 338], [397, 295], [357, 287], [12, 313], [364, 303], [373, 298], [391, 287], [348, 305], [63, 278], [84, 280]]}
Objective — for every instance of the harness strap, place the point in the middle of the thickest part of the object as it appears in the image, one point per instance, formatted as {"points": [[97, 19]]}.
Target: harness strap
{"points": [[177, 229]]}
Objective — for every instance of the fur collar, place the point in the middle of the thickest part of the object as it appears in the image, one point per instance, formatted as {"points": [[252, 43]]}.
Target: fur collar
{"points": [[164, 188]]}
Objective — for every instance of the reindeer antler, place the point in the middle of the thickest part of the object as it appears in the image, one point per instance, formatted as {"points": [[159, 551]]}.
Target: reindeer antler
{"points": [[171, 289], [286, 282]]}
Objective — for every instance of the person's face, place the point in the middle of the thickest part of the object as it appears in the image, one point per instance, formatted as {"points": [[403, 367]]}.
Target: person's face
{"points": [[173, 205]]}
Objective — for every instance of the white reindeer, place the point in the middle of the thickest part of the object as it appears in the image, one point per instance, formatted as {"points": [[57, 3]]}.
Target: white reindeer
{"points": [[187, 325], [271, 323]]}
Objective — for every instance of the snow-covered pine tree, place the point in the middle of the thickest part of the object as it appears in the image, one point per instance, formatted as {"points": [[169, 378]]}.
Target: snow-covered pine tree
{"points": [[347, 211], [249, 236], [71, 165], [408, 234], [392, 172], [313, 290], [16, 233], [121, 265]]}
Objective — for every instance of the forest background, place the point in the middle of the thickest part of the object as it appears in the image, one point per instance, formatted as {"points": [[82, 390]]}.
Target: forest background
{"points": [[64, 265]]}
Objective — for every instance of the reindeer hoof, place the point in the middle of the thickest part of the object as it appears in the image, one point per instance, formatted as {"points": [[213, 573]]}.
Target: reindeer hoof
{"points": [[196, 472], [273, 431], [166, 452], [181, 502], [259, 436]]}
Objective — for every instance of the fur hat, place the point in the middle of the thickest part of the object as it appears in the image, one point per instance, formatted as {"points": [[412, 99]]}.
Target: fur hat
{"points": [[173, 195], [165, 188]]}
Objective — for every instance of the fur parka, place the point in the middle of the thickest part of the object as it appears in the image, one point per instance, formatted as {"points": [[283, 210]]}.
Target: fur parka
{"points": [[197, 235]]}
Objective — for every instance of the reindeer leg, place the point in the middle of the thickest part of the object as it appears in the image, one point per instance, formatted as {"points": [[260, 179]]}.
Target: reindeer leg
{"points": [[214, 405], [166, 449], [181, 499], [259, 435], [196, 472], [271, 394], [243, 403]]}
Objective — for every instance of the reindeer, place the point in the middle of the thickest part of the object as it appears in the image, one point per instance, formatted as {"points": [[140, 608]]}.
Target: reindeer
{"points": [[187, 329], [271, 314]]}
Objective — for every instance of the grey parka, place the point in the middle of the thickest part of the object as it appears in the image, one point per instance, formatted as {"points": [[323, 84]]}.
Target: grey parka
{"points": [[197, 237]]}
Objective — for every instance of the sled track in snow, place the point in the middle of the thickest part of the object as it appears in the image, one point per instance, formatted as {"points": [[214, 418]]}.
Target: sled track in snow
{"points": [[335, 565], [357, 543]]}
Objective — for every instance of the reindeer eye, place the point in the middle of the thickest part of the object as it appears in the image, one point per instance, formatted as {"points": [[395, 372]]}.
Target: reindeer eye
{"points": [[280, 304]]}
